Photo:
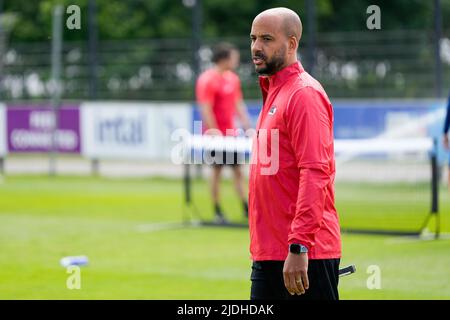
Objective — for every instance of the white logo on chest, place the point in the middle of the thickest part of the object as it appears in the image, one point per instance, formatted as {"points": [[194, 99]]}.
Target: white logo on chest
{"points": [[272, 110]]}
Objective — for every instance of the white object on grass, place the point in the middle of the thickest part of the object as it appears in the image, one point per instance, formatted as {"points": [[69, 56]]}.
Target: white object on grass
{"points": [[74, 261]]}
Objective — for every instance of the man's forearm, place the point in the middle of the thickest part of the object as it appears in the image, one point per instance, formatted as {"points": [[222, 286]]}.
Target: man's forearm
{"points": [[310, 206], [208, 117]]}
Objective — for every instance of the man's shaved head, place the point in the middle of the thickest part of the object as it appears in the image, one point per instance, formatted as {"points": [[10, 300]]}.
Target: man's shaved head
{"points": [[291, 24], [275, 36]]}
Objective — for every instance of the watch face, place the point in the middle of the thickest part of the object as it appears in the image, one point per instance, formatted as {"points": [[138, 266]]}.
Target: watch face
{"points": [[297, 248], [294, 248]]}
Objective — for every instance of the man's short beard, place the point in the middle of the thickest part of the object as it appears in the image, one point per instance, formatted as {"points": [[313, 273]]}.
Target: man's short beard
{"points": [[273, 65]]}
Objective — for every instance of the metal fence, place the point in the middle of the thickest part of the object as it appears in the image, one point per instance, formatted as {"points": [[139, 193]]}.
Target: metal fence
{"points": [[369, 64]]}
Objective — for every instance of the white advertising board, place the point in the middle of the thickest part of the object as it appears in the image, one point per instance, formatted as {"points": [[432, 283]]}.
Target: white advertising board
{"points": [[130, 130]]}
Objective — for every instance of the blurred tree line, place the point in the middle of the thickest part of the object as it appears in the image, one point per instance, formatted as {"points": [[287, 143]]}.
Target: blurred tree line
{"points": [[135, 63], [132, 19]]}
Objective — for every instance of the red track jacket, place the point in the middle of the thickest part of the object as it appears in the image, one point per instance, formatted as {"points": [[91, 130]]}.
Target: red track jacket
{"points": [[291, 198]]}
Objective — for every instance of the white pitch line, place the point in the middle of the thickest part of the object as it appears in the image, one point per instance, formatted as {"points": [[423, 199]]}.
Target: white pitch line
{"points": [[424, 237], [161, 226]]}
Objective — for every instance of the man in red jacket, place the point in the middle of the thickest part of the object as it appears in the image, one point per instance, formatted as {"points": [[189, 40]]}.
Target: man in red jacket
{"points": [[219, 97], [294, 227]]}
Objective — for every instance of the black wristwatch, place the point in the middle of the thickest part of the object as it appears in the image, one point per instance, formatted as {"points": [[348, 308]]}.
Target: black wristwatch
{"points": [[297, 248]]}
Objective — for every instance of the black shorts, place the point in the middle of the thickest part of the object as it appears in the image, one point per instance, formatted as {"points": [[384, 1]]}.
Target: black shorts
{"points": [[220, 158], [268, 283]]}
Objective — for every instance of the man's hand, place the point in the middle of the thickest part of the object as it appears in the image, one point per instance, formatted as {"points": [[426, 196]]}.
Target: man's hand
{"points": [[446, 142], [295, 273]]}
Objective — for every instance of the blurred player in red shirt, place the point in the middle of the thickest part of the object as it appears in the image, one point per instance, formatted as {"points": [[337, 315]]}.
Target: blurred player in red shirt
{"points": [[295, 238], [219, 97]]}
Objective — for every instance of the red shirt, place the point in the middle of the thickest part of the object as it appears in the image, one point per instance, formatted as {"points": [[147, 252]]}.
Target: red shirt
{"points": [[293, 201], [221, 92]]}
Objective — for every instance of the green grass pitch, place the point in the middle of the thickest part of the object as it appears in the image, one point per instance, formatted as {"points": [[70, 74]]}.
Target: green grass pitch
{"points": [[115, 223]]}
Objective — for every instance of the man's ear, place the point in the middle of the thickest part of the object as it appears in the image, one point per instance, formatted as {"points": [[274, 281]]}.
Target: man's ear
{"points": [[293, 44]]}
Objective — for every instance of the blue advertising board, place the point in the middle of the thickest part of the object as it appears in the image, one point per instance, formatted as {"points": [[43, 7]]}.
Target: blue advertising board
{"points": [[365, 119]]}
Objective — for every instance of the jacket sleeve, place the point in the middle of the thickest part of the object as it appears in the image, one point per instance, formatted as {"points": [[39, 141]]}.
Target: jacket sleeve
{"points": [[309, 122]]}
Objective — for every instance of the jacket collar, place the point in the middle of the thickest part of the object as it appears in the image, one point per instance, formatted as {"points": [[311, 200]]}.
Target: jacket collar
{"points": [[281, 76]]}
